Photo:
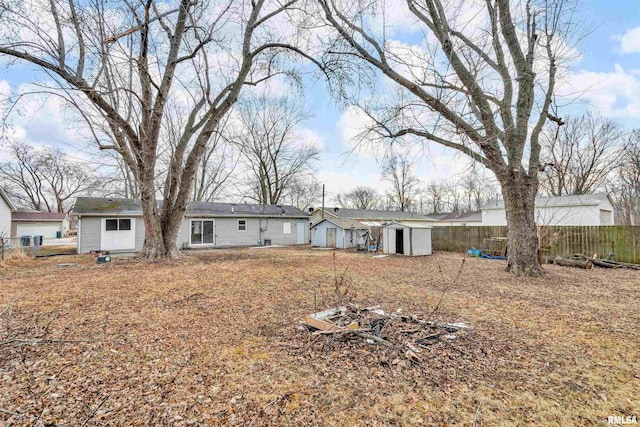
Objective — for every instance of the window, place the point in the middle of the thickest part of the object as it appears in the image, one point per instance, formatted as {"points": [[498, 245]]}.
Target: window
{"points": [[123, 224], [242, 225], [201, 232], [286, 228]]}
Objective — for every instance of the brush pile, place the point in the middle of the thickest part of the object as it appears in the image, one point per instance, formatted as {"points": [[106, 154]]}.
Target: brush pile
{"points": [[400, 336]]}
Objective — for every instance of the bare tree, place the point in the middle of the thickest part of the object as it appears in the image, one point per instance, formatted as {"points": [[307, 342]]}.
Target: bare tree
{"points": [[398, 171], [359, 198], [482, 87], [273, 151], [579, 154], [302, 192], [435, 197], [216, 168], [44, 180], [626, 185], [125, 63]]}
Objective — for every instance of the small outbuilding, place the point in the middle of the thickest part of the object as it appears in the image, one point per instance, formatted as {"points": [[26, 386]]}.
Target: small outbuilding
{"points": [[50, 225], [339, 233], [407, 239]]}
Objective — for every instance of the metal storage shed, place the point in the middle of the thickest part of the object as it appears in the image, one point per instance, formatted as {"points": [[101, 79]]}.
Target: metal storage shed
{"points": [[338, 233], [407, 239]]}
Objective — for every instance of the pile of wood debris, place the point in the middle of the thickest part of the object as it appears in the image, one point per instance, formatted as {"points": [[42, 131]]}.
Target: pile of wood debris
{"points": [[402, 335]]}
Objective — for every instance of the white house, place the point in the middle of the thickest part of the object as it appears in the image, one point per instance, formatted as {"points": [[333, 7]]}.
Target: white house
{"points": [[407, 239], [586, 209], [117, 225], [338, 233], [6, 206]]}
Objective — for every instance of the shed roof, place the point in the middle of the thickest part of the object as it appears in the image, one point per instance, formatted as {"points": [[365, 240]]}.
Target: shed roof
{"points": [[35, 216], [556, 201], [100, 206], [375, 214], [344, 223], [7, 200], [408, 225]]}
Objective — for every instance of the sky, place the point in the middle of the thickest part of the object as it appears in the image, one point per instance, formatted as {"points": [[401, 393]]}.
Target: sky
{"points": [[607, 75]]}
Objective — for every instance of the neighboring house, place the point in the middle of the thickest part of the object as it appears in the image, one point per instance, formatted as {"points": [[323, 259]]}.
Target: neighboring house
{"points": [[339, 233], [457, 218], [117, 225], [587, 209], [6, 206], [50, 225], [370, 217], [407, 239]]}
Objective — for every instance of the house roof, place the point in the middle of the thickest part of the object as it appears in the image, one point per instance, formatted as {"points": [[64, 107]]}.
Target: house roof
{"points": [[35, 216], [101, 207], [374, 214], [344, 223], [557, 201], [7, 200], [457, 216]]}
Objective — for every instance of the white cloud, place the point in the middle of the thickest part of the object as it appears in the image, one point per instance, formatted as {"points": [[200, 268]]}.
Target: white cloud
{"points": [[614, 93], [630, 41]]}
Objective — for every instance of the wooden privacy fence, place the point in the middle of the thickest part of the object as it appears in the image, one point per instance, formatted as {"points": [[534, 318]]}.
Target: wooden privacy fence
{"points": [[621, 240]]}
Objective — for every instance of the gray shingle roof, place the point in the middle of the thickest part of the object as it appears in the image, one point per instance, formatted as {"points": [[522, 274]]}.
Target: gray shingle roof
{"points": [[112, 206], [344, 223], [457, 216], [573, 200], [37, 216], [375, 215]]}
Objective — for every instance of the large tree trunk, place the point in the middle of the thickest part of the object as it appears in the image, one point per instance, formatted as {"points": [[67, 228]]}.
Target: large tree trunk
{"points": [[519, 194]]}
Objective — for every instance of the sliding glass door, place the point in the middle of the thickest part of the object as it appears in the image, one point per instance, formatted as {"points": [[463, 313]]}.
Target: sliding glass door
{"points": [[201, 232]]}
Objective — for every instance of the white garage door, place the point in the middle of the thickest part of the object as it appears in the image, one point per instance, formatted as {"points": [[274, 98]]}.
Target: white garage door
{"points": [[48, 230]]}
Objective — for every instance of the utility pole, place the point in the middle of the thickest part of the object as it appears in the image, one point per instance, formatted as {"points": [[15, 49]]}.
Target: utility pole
{"points": [[322, 201]]}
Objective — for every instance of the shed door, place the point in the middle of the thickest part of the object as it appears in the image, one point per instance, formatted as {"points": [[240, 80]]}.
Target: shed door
{"points": [[400, 241], [331, 237], [300, 233]]}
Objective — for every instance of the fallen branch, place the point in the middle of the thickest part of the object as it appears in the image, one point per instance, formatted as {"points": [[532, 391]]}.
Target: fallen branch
{"points": [[607, 263], [93, 413], [566, 262], [35, 341], [11, 303]]}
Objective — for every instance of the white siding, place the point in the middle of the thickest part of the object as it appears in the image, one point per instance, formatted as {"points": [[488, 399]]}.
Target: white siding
{"points": [[5, 219], [226, 232], [344, 238], [416, 241], [90, 231], [89, 240], [562, 215], [46, 229]]}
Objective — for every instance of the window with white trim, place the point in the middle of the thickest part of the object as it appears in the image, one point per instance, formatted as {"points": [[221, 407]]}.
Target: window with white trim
{"points": [[286, 228], [242, 225], [122, 224]]}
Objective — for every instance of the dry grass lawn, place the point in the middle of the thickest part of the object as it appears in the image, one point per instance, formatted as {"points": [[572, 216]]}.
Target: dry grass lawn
{"points": [[214, 339]]}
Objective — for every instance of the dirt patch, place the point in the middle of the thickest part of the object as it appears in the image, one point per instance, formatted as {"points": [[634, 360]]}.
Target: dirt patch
{"points": [[214, 339]]}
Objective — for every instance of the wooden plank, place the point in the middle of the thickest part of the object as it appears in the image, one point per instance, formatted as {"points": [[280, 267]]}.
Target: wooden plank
{"points": [[327, 326]]}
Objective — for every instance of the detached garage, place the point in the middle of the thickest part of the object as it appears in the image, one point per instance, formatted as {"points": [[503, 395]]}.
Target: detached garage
{"points": [[407, 239], [51, 225], [338, 233]]}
